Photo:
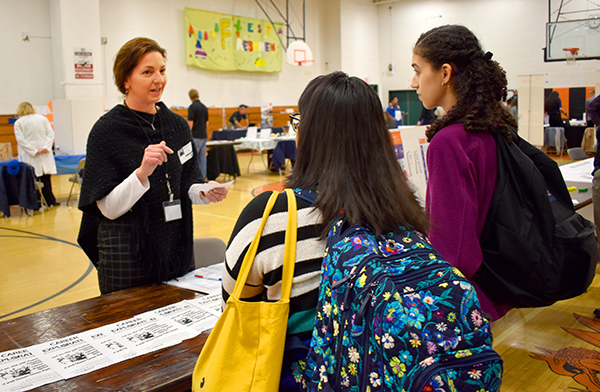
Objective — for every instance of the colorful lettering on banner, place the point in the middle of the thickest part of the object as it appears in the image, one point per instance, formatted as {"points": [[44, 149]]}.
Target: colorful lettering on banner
{"points": [[224, 32], [238, 27], [251, 46], [222, 42]]}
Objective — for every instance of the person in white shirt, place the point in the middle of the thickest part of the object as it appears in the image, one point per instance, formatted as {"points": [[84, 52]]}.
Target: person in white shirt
{"points": [[35, 137]]}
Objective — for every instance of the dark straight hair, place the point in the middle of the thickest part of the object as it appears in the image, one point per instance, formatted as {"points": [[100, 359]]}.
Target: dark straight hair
{"points": [[345, 151], [478, 81]]}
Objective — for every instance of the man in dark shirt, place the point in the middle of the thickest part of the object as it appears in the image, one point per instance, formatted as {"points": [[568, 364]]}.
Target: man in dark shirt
{"points": [[236, 119], [198, 120]]}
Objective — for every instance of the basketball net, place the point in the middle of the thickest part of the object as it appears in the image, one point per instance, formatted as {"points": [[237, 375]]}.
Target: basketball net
{"points": [[571, 55]]}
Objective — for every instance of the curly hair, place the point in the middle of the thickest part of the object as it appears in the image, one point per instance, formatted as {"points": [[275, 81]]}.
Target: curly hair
{"points": [[478, 81]]}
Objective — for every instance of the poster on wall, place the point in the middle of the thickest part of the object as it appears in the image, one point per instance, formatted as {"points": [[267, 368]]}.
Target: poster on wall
{"points": [[410, 145], [222, 42], [84, 63]]}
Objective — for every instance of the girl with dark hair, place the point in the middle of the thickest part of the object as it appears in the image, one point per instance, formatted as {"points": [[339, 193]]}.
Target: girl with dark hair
{"points": [[553, 108], [453, 71], [338, 113]]}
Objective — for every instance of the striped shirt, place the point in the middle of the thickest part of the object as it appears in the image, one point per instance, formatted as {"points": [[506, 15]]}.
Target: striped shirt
{"points": [[264, 280]]}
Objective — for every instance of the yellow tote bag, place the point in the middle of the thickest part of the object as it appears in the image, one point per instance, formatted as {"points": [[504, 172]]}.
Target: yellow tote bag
{"points": [[244, 351]]}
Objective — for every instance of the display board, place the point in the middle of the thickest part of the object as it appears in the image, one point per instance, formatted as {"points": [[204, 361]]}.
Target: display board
{"points": [[410, 145]]}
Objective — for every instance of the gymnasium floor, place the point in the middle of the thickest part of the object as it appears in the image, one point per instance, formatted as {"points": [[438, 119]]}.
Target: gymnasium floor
{"points": [[43, 267]]}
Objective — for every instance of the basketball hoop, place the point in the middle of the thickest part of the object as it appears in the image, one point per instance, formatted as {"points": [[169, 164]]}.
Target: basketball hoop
{"points": [[299, 54], [571, 55]]}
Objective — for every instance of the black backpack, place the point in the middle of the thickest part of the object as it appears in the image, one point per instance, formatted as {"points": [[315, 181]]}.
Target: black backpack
{"points": [[536, 249]]}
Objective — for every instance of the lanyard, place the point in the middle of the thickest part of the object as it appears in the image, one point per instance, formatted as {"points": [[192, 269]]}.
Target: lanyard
{"points": [[134, 114]]}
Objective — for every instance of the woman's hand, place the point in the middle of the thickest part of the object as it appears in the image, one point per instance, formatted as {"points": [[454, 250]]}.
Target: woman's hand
{"points": [[154, 155], [214, 195]]}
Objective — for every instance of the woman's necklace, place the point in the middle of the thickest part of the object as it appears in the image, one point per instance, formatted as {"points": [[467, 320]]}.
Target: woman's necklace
{"points": [[148, 122]]}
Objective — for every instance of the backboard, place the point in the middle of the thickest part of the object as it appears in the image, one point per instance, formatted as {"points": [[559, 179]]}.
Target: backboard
{"points": [[583, 34], [298, 54]]}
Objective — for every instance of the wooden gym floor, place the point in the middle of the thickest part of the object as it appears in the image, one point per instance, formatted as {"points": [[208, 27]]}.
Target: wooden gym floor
{"points": [[42, 267]]}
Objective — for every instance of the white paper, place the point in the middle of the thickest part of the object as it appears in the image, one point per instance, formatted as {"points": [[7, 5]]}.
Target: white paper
{"points": [[109, 344], [21, 370], [580, 171], [207, 187], [211, 303], [147, 332], [251, 132], [265, 133], [71, 356], [210, 283], [188, 316]]}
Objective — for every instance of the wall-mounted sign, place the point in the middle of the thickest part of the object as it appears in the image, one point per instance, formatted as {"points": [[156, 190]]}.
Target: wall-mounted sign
{"points": [[84, 63]]}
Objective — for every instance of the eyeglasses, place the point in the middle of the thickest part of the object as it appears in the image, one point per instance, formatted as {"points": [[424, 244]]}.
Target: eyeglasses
{"points": [[295, 121]]}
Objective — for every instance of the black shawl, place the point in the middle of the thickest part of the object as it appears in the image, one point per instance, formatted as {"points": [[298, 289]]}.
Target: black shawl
{"points": [[115, 149]]}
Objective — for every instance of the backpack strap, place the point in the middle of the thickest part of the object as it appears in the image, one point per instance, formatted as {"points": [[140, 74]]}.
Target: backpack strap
{"points": [[307, 194]]}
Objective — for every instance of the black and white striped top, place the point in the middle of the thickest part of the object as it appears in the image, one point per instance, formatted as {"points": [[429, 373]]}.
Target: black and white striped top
{"points": [[264, 281]]}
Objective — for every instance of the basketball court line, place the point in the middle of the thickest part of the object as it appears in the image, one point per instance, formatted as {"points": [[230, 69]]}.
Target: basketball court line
{"points": [[45, 237]]}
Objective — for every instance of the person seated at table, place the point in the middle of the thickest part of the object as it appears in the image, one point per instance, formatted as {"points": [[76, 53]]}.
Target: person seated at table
{"points": [[337, 114], [137, 204], [237, 118]]}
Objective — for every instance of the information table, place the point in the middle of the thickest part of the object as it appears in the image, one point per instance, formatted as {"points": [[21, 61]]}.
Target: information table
{"points": [[168, 369], [579, 174]]}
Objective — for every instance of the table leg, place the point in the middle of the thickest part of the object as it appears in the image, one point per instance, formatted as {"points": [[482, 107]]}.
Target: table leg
{"points": [[252, 157]]}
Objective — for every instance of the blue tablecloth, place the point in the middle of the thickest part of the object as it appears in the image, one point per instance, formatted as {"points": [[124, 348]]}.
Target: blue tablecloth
{"points": [[228, 134], [283, 150], [65, 164], [233, 134]]}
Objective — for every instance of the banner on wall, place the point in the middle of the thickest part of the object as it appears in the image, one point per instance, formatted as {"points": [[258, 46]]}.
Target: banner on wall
{"points": [[221, 42]]}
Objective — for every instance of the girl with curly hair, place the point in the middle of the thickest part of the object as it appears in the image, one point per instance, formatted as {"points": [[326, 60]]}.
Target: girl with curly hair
{"points": [[453, 71]]}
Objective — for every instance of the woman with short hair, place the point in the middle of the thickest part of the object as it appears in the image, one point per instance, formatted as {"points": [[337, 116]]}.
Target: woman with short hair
{"points": [[137, 204]]}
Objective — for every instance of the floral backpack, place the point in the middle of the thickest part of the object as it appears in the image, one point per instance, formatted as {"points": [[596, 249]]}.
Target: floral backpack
{"points": [[392, 315]]}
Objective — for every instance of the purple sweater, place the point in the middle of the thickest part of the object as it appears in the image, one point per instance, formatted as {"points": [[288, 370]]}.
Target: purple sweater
{"points": [[462, 174]]}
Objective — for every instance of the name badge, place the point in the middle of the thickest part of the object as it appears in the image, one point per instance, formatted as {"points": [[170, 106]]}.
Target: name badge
{"points": [[185, 153], [172, 210]]}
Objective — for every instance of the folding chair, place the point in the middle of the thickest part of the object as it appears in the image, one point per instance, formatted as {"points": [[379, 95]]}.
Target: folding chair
{"points": [[208, 251], [76, 178], [577, 153]]}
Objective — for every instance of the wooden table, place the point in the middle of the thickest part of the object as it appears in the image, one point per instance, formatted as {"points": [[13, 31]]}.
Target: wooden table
{"points": [[169, 369]]}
